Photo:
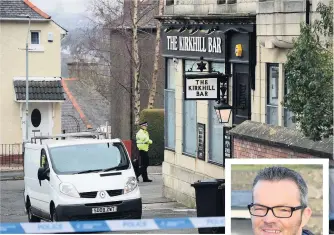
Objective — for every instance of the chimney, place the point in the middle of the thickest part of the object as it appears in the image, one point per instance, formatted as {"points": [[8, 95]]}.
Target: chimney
{"points": [[127, 6]]}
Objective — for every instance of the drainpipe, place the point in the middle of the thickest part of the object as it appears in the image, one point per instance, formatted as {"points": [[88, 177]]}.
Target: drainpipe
{"points": [[27, 82], [308, 6]]}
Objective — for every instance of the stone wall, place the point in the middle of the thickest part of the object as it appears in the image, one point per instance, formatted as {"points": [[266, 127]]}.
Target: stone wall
{"points": [[205, 7], [249, 149]]}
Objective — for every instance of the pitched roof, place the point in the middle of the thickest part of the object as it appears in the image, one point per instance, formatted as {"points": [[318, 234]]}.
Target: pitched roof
{"points": [[39, 90], [16, 8], [70, 118], [86, 104]]}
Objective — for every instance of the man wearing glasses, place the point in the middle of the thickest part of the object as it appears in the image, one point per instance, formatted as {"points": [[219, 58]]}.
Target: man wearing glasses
{"points": [[279, 203]]}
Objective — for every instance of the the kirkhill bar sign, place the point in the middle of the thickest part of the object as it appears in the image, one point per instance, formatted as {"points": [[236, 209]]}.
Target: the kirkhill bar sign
{"points": [[201, 87]]}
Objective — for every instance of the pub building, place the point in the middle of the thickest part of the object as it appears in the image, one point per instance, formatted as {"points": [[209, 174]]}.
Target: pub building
{"points": [[197, 52]]}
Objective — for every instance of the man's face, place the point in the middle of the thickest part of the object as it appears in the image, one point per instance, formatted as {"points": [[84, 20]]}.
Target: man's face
{"points": [[144, 127], [278, 193]]}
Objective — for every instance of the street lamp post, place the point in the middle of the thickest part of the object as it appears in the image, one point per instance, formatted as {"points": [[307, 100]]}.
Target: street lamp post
{"points": [[222, 108], [27, 80]]}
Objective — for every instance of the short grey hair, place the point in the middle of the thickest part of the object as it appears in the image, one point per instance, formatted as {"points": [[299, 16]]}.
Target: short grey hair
{"points": [[278, 173]]}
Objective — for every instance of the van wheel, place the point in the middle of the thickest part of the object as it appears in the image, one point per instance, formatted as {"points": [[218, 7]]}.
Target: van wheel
{"points": [[31, 217]]}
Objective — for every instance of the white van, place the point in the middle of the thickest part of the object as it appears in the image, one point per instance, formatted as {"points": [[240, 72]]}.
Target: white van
{"points": [[79, 179]]}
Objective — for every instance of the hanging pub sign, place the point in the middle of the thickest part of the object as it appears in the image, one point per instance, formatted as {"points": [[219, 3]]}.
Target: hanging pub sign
{"points": [[202, 86]]}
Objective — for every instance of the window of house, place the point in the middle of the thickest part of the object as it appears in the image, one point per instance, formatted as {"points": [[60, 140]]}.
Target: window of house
{"points": [[272, 94], [224, 1], [170, 106], [36, 118], [35, 37], [287, 114], [216, 129], [189, 119]]}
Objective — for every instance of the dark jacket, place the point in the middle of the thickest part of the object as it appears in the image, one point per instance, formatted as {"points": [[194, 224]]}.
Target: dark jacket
{"points": [[307, 232]]}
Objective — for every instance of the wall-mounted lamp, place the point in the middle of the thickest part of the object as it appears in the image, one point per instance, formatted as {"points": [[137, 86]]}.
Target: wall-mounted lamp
{"points": [[223, 112]]}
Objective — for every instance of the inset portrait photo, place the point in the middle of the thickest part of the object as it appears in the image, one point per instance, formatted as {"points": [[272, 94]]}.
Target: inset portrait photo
{"points": [[277, 196]]}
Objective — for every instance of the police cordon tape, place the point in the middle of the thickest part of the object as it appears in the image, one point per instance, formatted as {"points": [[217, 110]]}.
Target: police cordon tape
{"points": [[112, 225]]}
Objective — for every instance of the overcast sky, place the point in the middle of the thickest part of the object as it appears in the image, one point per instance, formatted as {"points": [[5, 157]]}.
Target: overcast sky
{"points": [[68, 13], [62, 6]]}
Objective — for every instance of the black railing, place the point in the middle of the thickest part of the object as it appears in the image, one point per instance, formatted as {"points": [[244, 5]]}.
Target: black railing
{"points": [[11, 155]]}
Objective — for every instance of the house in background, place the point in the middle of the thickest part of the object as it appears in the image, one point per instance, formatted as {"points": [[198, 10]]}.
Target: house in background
{"points": [[44, 69], [111, 73], [84, 109]]}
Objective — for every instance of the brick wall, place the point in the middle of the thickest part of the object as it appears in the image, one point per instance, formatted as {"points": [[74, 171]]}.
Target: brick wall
{"points": [[259, 140], [248, 149]]}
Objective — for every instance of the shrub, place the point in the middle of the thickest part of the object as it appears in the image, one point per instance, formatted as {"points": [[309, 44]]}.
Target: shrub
{"points": [[155, 119]]}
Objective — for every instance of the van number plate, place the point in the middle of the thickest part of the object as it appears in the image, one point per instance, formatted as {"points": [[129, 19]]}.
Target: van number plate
{"points": [[109, 209]]}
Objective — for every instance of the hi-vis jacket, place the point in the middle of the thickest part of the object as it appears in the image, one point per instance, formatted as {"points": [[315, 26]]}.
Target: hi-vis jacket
{"points": [[143, 140]]}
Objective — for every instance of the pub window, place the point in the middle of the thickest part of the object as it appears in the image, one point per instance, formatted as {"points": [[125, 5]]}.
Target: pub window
{"points": [[189, 127], [287, 114], [221, 2], [272, 94], [170, 106], [189, 118], [169, 2], [216, 129]]}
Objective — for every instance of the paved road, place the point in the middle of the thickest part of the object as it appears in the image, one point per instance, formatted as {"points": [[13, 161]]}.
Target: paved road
{"points": [[154, 205]]}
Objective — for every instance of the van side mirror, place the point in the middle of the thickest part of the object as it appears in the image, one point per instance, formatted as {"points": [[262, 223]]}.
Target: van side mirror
{"points": [[43, 173]]}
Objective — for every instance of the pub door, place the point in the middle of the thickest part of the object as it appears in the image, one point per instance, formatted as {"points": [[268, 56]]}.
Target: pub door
{"points": [[241, 93]]}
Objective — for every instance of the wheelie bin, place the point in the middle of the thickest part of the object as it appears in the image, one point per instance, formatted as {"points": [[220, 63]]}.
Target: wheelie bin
{"points": [[210, 202]]}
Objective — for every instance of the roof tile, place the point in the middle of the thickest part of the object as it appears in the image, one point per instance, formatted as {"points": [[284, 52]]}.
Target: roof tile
{"points": [[15, 8], [94, 106], [40, 90]]}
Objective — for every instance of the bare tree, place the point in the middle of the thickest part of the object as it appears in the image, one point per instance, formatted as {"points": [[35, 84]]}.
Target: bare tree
{"points": [[156, 60], [136, 62], [121, 46]]}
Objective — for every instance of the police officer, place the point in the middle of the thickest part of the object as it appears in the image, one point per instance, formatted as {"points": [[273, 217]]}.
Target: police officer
{"points": [[143, 141]]}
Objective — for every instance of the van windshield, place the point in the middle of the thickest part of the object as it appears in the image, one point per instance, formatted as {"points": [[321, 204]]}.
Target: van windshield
{"points": [[88, 158]]}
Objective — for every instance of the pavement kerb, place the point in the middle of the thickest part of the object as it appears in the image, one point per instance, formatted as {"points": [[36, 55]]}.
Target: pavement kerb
{"points": [[12, 178]]}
